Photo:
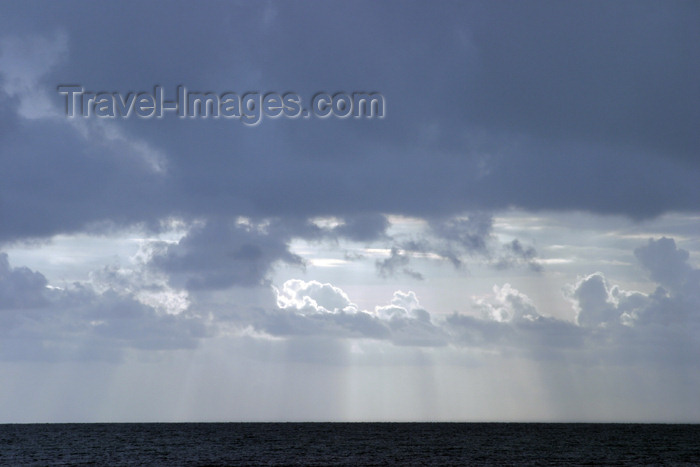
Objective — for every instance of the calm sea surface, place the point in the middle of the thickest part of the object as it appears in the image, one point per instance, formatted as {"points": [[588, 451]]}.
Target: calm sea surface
{"points": [[349, 444]]}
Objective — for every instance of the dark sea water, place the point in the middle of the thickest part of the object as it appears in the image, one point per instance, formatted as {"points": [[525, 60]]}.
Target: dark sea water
{"points": [[349, 444]]}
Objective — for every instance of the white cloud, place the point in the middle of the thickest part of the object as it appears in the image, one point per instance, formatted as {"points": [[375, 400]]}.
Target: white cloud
{"points": [[313, 297], [403, 305], [507, 304]]}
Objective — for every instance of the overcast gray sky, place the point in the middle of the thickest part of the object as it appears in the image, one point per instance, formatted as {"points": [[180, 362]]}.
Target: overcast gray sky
{"points": [[516, 238]]}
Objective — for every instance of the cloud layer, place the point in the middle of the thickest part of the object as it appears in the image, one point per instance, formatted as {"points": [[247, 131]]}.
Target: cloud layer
{"points": [[110, 314], [485, 112]]}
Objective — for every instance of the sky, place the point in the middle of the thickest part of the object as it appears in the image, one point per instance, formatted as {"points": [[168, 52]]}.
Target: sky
{"points": [[514, 237]]}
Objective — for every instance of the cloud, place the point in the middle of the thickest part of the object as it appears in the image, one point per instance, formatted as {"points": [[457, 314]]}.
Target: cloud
{"points": [[111, 312], [600, 304], [24, 61], [514, 254], [470, 234], [508, 323], [397, 261], [290, 323], [313, 297], [508, 305], [460, 135], [21, 287], [659, 327], [221, 254], [595, 301], [122, 320], [363, 228], [410, 324], [403, 304], [611, 324], [558, 110], [78, 322], [310, 308], [459, 239], [667, 264], [500, 107]]}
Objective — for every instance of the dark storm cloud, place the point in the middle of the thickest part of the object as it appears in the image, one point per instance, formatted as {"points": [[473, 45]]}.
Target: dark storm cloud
{"points": [[220, 255], [363, 228], [555, 105]]}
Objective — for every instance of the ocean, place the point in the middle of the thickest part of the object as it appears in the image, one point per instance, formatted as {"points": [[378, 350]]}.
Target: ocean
{"points": [[199, 444]]}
